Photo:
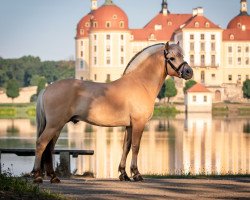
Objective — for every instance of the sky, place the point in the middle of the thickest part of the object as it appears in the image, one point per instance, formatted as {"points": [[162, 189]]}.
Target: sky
{"points": [[46, 28]]}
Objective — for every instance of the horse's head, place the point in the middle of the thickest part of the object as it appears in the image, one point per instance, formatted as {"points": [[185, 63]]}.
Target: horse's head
{"points": [[175, 64]]}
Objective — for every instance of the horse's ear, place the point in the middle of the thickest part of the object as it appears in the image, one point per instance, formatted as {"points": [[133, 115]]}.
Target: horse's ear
{"points": [[167, 46], [178, 43]]}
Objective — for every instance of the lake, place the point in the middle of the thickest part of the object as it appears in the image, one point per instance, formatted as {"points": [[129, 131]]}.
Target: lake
{"points": [[195, 144]]}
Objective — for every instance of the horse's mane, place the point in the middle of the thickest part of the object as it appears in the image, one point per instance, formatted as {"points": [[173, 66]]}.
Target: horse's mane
{"points": [[141, 56]]}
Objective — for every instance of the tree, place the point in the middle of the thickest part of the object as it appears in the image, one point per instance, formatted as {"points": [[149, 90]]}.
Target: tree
{"points": [[41, 85], [12, 89], [246, 89], [188, 85], [161, 94], [171, 90]]}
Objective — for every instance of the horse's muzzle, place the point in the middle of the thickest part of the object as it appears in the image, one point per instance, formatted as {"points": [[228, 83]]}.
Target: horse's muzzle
{"points": [[187, 72]]}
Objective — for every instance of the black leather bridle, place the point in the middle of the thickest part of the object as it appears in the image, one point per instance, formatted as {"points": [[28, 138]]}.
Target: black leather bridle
{"points": [[176, 69]]}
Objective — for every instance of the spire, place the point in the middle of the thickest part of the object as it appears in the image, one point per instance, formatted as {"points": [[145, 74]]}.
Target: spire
{"points": [[93, 5], [243, 10], [164, 7], [108, 2]]}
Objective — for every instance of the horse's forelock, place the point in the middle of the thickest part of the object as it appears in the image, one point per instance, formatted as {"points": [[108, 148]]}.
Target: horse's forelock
{"points": [[141, 56], [176, 50]]}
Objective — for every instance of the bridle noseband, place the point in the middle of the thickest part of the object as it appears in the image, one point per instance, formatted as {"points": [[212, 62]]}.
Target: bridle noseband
{"points": [[176, 69]]}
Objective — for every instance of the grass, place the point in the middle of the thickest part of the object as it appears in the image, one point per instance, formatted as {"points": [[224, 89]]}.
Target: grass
{"points": [[165, 111], [13, 111], [20, 188], [198, 176]]}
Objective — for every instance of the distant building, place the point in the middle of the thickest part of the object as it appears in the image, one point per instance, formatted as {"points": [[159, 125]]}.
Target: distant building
{"points": [[198, 99], [219, 57]]}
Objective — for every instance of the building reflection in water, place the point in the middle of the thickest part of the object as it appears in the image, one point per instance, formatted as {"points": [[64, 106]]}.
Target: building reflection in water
{"points": [[193, 144]]}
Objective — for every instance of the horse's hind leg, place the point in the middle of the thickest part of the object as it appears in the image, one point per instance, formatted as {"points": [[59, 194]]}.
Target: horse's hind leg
{"points": [[41, 145], [47, 159], [126, 149]]}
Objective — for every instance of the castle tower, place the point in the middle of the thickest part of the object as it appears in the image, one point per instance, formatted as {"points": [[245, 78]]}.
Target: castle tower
{"points": [[93, 5], [243, 10], [164, 7]]}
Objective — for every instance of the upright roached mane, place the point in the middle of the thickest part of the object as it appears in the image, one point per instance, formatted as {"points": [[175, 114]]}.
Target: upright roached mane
{"points": [[141, 56], [128, 102]]}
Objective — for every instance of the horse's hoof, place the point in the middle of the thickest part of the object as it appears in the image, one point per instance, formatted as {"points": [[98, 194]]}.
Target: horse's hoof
{"points": [[55, 180], [124, 177], [137, 177], [38, 180]]}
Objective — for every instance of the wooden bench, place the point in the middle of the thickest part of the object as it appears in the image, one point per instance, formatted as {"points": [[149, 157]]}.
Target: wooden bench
{"points": [[64, 155]]}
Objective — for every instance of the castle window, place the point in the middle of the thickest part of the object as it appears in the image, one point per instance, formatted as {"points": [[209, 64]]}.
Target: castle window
{"points": [[95, 48], [194, 98], [114, 16], [95, 24], [247, 60], [108, 48], [95, 37], [213, 46], [122, 60], [205, 98], [95, 77], [202, 60], [191, 36], [239, 49], [202, 36], [230, 49], [108, 24], [81, 64], [232, 37], [169, 23], [191, 46], [239, 60], [81, 31], [202, 46], [122, 36], [121, 24], [81, 53], [207, 24], [152, 37], [108, 37], [108, 60], [196, 24], [95, 60], [239, 25], [108, 78], [213, 60], [230, 78], [81, 43], [213, 76], [247, 49], [230, 60], [122, 48], [191, 59], [212, 37]]}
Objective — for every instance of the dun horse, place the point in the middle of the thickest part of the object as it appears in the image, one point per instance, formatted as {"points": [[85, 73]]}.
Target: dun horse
{"points": [[128, 101]]}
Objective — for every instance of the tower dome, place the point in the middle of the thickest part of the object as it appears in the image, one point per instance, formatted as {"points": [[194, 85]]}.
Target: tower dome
{"points": [[109, 16], [241, 20]]}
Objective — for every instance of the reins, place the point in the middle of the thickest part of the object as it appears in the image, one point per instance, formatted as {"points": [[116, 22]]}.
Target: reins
{"points": [[176, 69]]}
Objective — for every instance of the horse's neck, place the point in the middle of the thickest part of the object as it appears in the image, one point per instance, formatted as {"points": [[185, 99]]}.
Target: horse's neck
{"points": [[151, 75]]}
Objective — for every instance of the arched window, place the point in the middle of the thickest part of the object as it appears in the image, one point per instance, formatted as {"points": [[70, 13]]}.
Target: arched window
{"points": [[169, 23], [121, 24], [114, 16], [196, 24], [232, 37], [207, 24], [108, 24]]}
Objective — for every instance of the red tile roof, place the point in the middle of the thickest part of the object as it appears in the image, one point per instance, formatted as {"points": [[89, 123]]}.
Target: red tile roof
{"points": [[237, 35], [203, 23], [198, 88], [238, 21]]}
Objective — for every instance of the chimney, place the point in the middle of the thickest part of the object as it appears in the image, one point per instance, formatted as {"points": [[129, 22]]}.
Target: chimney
{"points": [[198, 11]]}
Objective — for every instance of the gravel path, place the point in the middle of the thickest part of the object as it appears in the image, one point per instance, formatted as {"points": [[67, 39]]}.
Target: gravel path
{"points": [[78, 188]]}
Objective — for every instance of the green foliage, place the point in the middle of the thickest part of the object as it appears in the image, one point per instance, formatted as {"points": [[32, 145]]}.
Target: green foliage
{"points": [[165, 111], [7, 112], [25, 70], [188, 85], [41, 85], [246, 89], [171, 90], [161, 94], [12, 89]]}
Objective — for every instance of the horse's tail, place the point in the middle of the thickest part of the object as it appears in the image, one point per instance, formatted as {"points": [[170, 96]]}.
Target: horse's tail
{"points": [[40, 114]]}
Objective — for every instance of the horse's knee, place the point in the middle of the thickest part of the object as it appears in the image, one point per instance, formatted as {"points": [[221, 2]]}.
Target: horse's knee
{"points": [[135, 149]]}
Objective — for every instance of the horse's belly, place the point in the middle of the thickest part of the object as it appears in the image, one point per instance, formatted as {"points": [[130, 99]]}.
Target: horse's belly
{"points": [[102, 117]]}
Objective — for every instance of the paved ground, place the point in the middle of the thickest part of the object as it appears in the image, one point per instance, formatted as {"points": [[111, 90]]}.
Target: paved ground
{"points": [[234, 188]]}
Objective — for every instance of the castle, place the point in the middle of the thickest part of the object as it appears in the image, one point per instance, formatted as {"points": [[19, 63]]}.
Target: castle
{"points": [[219, 57]]}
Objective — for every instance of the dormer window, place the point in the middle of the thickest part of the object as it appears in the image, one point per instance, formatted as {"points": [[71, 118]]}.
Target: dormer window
{"points": [[232, 37], [81, 31], [95, 24], [114, 16], [152, 37], [108, 24], [121, 24], [87, 24], [239, 25], [196, 24], [169, 23], [207, 24]]}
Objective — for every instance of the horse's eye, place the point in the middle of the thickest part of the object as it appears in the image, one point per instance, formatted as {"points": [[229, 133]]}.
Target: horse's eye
{"points": [[172, 58]]}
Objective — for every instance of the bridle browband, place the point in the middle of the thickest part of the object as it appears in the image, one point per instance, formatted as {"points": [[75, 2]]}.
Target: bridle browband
{"points": [[176, 69]]}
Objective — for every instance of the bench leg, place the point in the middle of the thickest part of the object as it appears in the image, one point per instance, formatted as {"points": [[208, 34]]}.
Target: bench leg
{"points": [[65, 163], [0, 163]]}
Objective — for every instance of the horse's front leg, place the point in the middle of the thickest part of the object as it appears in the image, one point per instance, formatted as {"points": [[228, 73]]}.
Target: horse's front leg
{"points": [[126, 149], [137, 131]]}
